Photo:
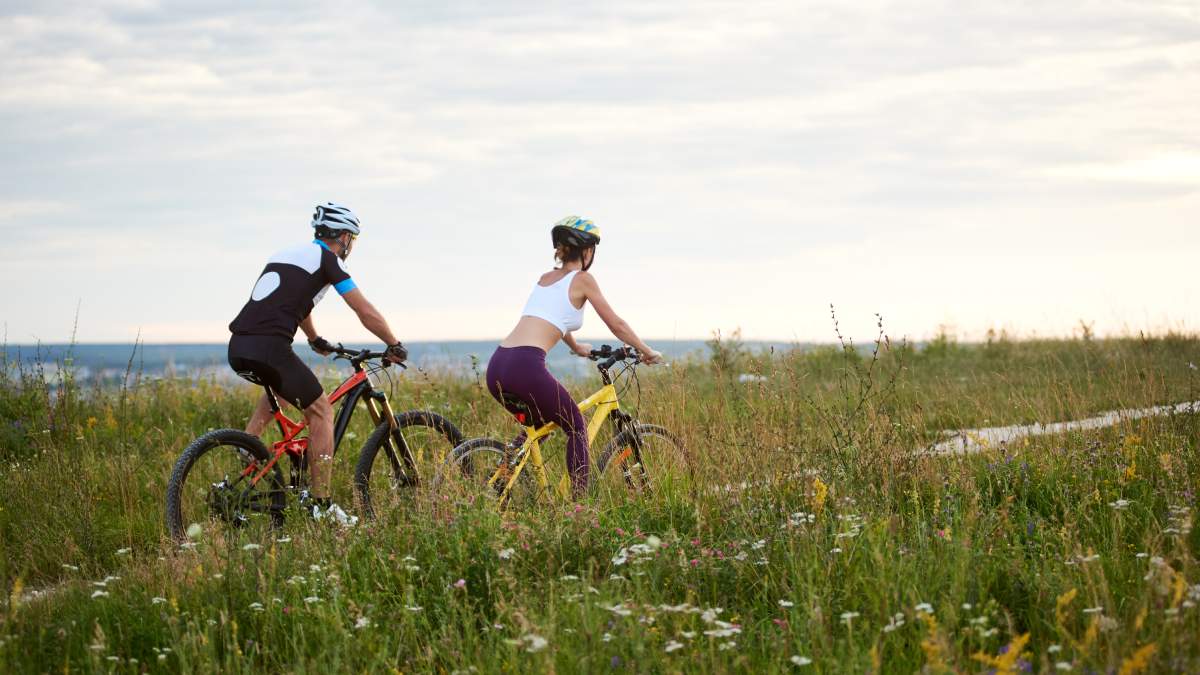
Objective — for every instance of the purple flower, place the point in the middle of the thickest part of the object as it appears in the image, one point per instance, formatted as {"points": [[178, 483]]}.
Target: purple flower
{"points": [[614, 662]]}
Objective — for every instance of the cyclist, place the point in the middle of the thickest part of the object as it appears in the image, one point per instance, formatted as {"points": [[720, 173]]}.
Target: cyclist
{"points": [[516, 374], [260, 350]]}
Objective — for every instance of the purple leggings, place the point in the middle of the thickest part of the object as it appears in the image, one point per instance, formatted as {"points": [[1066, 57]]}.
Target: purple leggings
{"points": [[518, 379]]}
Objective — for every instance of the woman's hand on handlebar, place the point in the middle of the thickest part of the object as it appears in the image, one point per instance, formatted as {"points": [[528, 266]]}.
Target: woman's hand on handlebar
{"points": [[650, 357], [583, 349]]}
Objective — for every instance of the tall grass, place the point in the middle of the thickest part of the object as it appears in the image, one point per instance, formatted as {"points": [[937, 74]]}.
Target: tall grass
{"points": [[809, 529]]}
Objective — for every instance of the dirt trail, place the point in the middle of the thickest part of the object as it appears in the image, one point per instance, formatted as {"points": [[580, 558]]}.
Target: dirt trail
{"points": [[974, 440]]}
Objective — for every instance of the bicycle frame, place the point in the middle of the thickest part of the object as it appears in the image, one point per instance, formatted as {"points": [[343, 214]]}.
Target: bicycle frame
{"points": [[355, 388], [605, 402]]}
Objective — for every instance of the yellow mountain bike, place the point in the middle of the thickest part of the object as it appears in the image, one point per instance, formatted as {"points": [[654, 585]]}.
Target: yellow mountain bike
{"points": [[636, 453]]}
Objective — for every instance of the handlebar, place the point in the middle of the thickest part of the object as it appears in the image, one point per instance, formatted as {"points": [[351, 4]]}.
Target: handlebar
{"points": [[612, 356], [357, 356]]}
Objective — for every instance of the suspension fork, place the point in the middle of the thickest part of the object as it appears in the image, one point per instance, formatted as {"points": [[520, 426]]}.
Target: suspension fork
{"points": [[380, 409], [625, 422]]}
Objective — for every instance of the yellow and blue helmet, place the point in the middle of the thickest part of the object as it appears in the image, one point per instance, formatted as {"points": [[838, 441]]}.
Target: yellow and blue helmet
{"points": [[575, 231]]}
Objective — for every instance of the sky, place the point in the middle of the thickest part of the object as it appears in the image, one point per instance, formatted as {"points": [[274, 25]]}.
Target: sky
{"points": [[1019, 166]]}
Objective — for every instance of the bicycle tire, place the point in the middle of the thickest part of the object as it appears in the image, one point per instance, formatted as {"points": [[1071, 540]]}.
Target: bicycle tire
{"points": [[404, 470], [620, 450], [198, 448]]}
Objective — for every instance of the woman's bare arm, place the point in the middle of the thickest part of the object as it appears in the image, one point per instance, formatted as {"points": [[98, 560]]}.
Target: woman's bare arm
{"points": [[619, 327]]}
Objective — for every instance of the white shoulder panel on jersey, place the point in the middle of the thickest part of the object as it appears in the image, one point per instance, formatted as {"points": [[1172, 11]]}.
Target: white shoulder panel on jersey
{"points": [[320, 294], [266, 285], [305, 256]]}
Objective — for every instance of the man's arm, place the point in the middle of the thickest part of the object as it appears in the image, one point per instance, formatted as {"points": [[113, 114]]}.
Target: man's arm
{"points": [[370, 317], [309, 329]]}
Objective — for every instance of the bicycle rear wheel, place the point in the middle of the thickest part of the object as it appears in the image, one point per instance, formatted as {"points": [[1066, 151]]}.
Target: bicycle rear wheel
{"points": [[639, 458], [391, 460], [464, 476], [212, 484]]}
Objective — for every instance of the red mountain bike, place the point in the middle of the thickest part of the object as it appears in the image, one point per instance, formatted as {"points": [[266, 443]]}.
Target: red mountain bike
{"points": [[229, 476]]}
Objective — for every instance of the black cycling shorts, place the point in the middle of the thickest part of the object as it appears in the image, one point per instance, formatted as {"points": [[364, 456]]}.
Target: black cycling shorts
{"points": [[269, 360]]}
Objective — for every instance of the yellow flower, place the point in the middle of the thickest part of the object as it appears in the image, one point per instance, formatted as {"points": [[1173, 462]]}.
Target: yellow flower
{"points": [[1006, 663], [820, 492], [1139, 660]]}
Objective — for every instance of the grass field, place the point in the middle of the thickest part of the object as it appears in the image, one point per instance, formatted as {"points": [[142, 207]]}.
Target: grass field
{"points": [[807, 533]]}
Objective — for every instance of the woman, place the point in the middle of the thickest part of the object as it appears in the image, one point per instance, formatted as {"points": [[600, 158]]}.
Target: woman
{"points": [[517, 374]]}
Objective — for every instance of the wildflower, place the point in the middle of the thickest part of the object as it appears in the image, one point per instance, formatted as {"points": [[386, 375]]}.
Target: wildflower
{"points": [[284, 540], [99, 594], [73, 568], [414, 608], [727, 645], [506, 553], [534, 643], [461, 583], [124, 551], [1120, 504], [607, 637], [801, 660], [257, 607], [1093, 610], [188, 546], [672, 646], [786, 603], [758, 544], [847, 617], [1062, 665], [723, 630], [924, 607], [157, 600], [621, 557], [966, 606], [896, 621], [653, 541], [568, 577], [194, 530], [251, 547], [619, 610], [1054, 649], [312, 599], [363, 622], [836, 549], [688, 634]]}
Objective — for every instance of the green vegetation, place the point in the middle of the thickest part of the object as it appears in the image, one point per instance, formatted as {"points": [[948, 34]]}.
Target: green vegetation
{"points": [[809, 534]]}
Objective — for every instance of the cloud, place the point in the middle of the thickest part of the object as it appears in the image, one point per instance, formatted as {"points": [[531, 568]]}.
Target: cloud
{"points": [[716, 132]]}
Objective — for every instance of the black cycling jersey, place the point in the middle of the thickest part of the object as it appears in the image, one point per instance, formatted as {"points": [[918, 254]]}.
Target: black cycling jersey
{"points": [[293, 282]]}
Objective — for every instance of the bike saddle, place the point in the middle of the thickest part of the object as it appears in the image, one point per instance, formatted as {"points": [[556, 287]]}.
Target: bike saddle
{"points": [[519, 408]]}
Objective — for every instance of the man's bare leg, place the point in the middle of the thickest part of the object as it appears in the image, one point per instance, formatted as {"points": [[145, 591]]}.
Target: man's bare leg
{"points": [[319, 416], [261, 417]]}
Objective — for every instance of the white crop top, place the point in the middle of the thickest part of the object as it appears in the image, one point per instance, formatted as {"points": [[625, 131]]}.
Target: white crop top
{"points": [[553, 303]]}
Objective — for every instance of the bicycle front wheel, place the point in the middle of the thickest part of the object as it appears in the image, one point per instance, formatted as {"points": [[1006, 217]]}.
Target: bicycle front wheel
{"points": [[213, 484], [392, 459], [640, 458]]}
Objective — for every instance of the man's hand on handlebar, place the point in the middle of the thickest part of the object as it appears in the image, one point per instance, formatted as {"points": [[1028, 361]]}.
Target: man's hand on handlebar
{"points": [[396, 353], [321, 346]]}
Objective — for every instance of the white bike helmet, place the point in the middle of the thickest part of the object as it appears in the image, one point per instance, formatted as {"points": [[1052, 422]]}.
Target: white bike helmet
{"points": [[335, 217]]}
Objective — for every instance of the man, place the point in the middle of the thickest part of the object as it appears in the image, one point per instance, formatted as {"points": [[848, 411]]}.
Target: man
{"points": [[293, 282]]}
